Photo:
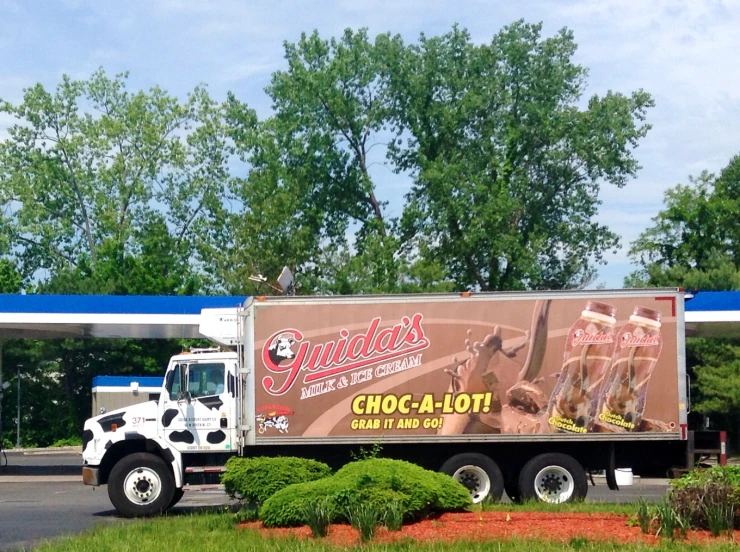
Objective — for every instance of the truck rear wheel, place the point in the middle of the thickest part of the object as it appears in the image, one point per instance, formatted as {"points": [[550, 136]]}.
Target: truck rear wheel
{"points": [[554, 478], [478, 473], [141, 485]]}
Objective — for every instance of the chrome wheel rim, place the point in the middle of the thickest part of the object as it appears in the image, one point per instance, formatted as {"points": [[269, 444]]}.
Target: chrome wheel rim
{"points": [[554, 484], [142, 486], [474, 479]]}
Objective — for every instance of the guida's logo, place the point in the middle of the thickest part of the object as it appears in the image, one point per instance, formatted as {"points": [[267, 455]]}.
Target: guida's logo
{"points": [[340, 356]]}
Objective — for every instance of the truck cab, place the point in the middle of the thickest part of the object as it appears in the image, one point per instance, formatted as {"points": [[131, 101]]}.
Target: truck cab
{"points": [[145, 452]]}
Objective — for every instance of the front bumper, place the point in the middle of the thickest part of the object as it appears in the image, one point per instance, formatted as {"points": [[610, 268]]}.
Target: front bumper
{"points": [[91, 476]]}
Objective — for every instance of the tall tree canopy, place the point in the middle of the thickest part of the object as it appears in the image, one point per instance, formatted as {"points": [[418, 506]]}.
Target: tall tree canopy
{"points": [[505, 165], [94, 177], [108, 190]]}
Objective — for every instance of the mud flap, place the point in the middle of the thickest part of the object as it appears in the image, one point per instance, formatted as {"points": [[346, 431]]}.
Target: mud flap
{"points": [[611, 477]]}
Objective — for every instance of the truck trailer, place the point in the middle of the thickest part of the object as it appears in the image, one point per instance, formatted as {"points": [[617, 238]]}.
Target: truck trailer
{"points": [[516, 392]]}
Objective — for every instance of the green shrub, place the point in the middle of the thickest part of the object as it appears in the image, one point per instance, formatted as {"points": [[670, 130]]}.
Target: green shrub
{"points": [[706, 493], [257, 479], [376, 482], [69, 442], [367, 453], [717, 474]]}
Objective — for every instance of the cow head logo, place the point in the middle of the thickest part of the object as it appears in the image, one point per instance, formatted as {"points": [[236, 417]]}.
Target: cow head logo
{"points": [[280, 348]]}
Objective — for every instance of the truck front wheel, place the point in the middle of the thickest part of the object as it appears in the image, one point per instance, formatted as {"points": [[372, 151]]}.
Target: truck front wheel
{"points": [[554, 478], [478, 473], [141, 484]]}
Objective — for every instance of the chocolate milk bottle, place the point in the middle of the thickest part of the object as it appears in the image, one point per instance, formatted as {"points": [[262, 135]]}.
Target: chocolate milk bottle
{"points": [[589, 349], [638, 347]]}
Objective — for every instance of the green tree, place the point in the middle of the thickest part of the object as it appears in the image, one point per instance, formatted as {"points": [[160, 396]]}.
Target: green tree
{"points": [[507, 166], [104, 191], [309, 198], [57, 380], [695, 243], [91, 170]]}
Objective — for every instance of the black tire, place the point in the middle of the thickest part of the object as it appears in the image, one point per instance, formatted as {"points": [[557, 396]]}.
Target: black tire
{"points": [[176, 497], [565, 471], [151, 476], [471, 480]]}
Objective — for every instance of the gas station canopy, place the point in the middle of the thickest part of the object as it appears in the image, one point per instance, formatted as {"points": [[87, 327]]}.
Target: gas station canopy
{"points": [[708, 314], [713, 314], [111, 316]]}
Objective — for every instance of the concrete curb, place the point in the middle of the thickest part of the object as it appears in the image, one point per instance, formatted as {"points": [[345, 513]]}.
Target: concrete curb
{"points": [[601, 480], [49, 450], [41, 479]]}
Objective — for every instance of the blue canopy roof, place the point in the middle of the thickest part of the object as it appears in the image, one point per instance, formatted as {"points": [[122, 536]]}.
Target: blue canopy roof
{"points": [[713, 301], [126, 381], [708, 314], [713, 314]]}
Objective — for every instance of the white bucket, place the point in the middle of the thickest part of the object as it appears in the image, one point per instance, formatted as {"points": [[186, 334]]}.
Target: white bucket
{"points": [[624, 477]]}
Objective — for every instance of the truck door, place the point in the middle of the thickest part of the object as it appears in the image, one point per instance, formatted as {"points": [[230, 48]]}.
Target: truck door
{"points": [[200, 417]]}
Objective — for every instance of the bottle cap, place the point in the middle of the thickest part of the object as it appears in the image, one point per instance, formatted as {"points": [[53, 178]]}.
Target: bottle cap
{"points": [[601, 308], [647, 313]]}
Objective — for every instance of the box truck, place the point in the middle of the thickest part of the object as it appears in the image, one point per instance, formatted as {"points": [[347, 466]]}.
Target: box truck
{"points": [[517, 392]]}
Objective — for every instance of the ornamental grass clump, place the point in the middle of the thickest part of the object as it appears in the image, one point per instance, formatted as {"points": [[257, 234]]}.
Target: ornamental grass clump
{"points": [[720, 518], [644, 516], [393, 516], [669, 520], [317, 515], [365, 518]]}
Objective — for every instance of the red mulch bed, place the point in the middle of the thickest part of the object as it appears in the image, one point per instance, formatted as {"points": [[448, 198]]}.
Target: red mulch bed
{"points": [[491, 526]]}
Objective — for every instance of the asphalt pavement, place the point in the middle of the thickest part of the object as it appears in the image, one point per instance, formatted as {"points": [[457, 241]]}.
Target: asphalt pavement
{"points": [[42, 497]]}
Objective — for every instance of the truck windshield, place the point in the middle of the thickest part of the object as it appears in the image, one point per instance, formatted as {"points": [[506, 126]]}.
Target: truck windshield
{"points": [[204, 379]]}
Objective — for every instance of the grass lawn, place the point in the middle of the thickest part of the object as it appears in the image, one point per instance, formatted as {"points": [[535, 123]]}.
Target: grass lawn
{"points": [[216, 533]]}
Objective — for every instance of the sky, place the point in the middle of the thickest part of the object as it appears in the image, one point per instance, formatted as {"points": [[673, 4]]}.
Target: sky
{"points": [[681, 52]]}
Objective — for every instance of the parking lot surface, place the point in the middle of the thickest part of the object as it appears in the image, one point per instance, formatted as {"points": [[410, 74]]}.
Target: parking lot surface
{"points": [[42, 497]]}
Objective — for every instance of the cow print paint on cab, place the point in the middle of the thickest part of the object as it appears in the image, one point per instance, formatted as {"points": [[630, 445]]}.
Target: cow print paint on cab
{"points": [[215, 437], [168, 416], [108, 421], [87, 436], [182, 437]]}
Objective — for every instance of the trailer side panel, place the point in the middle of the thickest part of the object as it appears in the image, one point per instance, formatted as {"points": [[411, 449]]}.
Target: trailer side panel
{"points": [[486, 367]]}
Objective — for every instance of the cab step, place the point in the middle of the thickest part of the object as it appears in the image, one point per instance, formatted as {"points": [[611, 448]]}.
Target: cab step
{"points": [[203, 488], [206, 469]]}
